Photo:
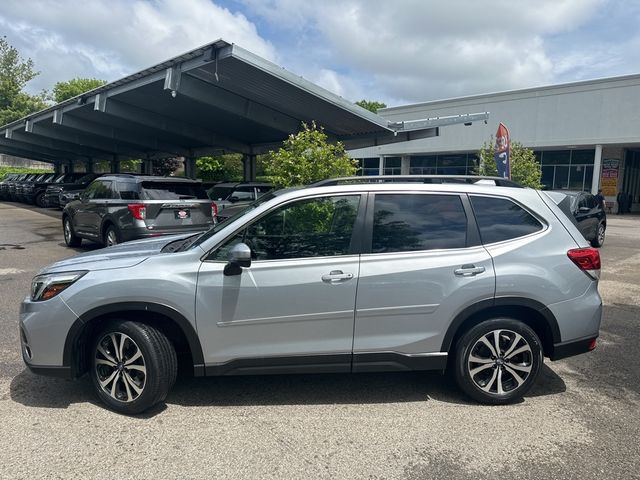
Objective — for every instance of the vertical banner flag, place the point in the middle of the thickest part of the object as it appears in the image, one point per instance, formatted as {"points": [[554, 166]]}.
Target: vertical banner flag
{"points": [[503, 152]]}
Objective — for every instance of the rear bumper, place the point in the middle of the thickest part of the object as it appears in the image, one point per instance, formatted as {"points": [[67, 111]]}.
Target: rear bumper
{"points": [[573, 347]]}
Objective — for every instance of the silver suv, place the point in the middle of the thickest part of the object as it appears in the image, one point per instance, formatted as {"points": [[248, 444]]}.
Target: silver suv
{"points": [[483, 280]]}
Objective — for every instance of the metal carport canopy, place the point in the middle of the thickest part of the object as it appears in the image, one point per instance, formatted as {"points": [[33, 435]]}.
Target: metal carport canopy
{"points": [[214, 99]]}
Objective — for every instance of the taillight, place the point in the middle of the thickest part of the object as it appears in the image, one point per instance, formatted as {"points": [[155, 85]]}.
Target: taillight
{"points": [[138, 210], [214, 211], [587, 259]]}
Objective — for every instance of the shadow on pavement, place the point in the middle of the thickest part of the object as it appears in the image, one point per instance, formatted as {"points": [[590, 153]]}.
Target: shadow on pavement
{"points": [[271, 390]]}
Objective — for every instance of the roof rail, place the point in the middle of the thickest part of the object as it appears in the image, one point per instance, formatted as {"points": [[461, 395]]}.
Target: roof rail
{"points": [[470, 179]]}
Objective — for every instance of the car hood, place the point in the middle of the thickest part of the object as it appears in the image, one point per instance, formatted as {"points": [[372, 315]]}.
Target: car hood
{"points": [[119, 256]]}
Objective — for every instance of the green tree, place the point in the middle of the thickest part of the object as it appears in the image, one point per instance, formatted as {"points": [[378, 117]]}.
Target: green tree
{"points": [[525, 169], [371, 105], [220, 167], [15, 73], [307, 157], [72, 88], [165, 166]]}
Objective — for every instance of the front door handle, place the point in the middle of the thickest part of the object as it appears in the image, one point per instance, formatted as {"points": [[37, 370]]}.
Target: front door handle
{"points": [[468, 271], [336, 276]]}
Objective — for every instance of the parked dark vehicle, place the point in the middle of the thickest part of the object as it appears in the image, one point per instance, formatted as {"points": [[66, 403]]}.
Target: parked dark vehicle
{"points": [[52, 193], [35, 191], [116, 208], [227, 194], [16, 186], [4, 184], [590, 217], [28, 189]]}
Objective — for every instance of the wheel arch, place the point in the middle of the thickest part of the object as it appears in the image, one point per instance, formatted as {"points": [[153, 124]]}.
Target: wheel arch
{"points": [[531, 312], [165, 318]]}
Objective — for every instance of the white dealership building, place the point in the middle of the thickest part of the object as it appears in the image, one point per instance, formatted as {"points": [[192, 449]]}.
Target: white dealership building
{"points": [[586, 135]]}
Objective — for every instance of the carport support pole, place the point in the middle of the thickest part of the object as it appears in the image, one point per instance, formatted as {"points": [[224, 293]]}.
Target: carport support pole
{"points": [[249, 163], [148, 167], [115, 166], [89, 166], [70, 167], [56, 167], [597, 167], [190, 167]]}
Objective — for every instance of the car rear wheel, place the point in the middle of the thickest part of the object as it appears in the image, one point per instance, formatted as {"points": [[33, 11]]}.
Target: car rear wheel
{"points": [[70, 237], [498, 360], [598, 240], [111, 236], [134, 366]]}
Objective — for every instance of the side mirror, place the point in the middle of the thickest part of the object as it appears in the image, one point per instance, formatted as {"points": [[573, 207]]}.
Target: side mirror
{"points": [[233, 199], [239, 256], [584, 209]]}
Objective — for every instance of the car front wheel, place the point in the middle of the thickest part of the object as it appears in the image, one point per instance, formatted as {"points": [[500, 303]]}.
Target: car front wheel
{"points": [[134, 366], [498, 360]]}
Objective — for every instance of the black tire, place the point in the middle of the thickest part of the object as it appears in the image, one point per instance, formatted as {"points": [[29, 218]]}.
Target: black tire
{"points": [[70, 237], [130, 391], [598, 240], [492, 379], [40, 200], [111, 236]]}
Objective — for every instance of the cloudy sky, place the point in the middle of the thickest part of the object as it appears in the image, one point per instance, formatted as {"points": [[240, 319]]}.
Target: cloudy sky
{"points": [[398, 51]]}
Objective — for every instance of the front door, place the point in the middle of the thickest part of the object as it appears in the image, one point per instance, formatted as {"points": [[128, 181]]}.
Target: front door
{"points": [[293, 308]]}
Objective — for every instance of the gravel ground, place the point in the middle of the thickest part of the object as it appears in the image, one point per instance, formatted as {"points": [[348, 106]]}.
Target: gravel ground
{"points": [[580, 420]]}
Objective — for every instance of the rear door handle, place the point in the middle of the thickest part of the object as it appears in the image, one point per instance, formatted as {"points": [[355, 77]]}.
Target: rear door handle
{"points": [[468, 271], [336, 276]]}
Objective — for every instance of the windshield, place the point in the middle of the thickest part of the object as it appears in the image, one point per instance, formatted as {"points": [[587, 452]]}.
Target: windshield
{"points": [[241, 211]]}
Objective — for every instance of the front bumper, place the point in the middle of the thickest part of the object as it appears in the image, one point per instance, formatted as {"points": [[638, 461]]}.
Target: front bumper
{"points": [[43, 332]]}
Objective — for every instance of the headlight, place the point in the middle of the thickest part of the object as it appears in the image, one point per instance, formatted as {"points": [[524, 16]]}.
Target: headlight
{"points": [[44, 287]]}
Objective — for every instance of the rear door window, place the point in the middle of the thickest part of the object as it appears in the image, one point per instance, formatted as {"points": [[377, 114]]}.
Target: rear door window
{"points": [[500, 219], [171, 191], [410, 222]]}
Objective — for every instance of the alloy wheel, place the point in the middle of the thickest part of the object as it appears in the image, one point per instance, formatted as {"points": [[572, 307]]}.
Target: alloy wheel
{"points": [[111, 237], [601, 233], [500, 362], [120, 367], [67, 231]]}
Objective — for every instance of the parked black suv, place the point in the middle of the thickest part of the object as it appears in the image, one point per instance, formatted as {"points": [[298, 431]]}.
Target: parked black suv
{"points": [[590, 217], [119, 207], [228, 194], [78, 182]]}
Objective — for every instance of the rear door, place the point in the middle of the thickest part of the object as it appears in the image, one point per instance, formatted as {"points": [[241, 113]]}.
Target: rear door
{"points": [[93, 207], [424, 265]]}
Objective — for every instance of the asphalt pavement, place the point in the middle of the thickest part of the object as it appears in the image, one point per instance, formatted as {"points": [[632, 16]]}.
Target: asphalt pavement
{"points": [[579, 421]]}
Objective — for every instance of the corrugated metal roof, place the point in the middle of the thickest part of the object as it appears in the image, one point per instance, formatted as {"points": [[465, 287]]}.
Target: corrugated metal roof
{"points": [[216, 97]]}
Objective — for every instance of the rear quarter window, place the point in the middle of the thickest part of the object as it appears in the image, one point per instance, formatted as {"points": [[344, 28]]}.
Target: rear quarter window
{"points": [[500, 219]]}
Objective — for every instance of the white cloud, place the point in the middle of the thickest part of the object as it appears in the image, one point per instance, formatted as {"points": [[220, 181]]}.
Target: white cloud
{"points": [[111, 38], [416, 50]]}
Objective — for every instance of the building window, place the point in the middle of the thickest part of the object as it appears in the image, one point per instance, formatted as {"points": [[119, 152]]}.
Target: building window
{"points": [[566, 169], [368, 166], [392, 165], [444, 164]]}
